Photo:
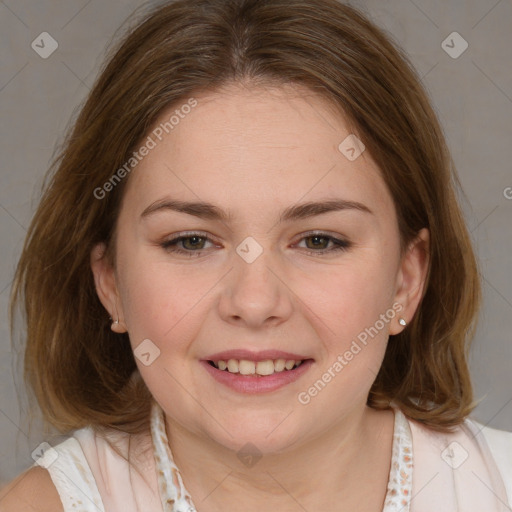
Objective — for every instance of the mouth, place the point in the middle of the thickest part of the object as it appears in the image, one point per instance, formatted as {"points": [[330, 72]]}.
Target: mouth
{"points": [[255, 377], [254, 372], [245, 367]]}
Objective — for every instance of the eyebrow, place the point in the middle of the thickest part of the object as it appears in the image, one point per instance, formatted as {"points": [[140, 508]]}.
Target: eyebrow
{"points": [[209, 211]]}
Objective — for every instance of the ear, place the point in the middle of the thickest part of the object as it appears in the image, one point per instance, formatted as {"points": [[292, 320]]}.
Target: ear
{"points": [[106, 287], [411, 279]]}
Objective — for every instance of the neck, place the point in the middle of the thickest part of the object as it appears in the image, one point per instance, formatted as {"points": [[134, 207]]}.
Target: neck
{"points": [[348, 465]]}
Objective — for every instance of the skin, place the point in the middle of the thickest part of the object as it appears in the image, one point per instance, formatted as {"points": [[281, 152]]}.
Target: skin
{"points": [[254, 151]]}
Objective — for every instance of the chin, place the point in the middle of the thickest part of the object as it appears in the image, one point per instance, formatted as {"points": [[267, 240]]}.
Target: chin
{"points": [[264, 437]]}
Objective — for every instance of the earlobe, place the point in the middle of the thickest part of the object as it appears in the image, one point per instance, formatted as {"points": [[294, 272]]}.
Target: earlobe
{"points": [[411, 279], [106, 287]]}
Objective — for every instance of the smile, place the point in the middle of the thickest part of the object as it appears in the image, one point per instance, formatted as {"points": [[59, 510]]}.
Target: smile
{"points": [[245, 376], [260, 368]]}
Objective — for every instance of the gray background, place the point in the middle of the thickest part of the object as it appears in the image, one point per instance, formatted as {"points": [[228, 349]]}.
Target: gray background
{"points": [[472, 95]]}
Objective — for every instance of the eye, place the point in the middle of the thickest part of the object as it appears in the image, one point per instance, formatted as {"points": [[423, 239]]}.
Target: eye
{"points": [[319, 242], [193, 244]]}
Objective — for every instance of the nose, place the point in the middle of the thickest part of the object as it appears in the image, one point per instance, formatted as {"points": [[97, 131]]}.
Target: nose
{"points": [[256, 294]]}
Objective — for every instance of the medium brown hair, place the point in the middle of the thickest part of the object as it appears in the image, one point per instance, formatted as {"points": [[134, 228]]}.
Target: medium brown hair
{"points": [[84, 374]]}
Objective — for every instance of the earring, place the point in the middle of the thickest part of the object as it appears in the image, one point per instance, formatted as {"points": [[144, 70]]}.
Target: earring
{"points": [[402, 322], [115, 324]]}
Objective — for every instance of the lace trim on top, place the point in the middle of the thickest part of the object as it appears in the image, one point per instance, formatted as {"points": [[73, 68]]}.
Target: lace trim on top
{"points": [[175, 498], [398, 496], [173, 494]]}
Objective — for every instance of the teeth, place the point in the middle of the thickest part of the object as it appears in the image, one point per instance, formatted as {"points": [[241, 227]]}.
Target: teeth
{"points": [[246, 367], [265, 367], [289, 365], [233, 366], [268, 367], [279, 365]]}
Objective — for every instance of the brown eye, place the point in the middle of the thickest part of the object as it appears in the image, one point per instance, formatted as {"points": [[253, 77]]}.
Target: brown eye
{"points": [[318, 243], [195, 242], [189, 245]]}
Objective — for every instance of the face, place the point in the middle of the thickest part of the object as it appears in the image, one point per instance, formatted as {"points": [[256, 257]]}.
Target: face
{"points": [[257, 271]]}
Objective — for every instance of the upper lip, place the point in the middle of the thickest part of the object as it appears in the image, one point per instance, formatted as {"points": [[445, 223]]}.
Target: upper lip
{"points": [[262, 355]]}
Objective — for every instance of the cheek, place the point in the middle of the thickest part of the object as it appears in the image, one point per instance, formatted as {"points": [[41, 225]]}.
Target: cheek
{"points": [[160, 299], [348, 302], [165, 306], [352, 296], [353, 348]]}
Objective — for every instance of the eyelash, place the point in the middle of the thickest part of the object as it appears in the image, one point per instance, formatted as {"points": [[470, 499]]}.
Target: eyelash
{"points": [[171, 245]]}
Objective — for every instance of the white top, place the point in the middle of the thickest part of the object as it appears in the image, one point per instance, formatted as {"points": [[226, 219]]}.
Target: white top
{"points": [[464, 470]]}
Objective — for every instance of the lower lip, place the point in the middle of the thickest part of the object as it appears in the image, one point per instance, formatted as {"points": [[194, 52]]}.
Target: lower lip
{"points": [[253, 384]]}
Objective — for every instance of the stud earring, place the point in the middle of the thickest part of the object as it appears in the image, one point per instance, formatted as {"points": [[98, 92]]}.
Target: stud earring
{"points": [[115, 324], [116, 327], [402, 322]]}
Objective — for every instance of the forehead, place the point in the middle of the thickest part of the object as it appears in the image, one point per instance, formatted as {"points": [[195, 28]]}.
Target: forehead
{"points": [[243, 147]]}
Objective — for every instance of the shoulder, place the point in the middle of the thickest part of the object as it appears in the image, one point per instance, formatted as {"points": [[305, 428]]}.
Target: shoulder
{"points": [[470, 449], [499, 443], [501, 440], [32, 491], [56, 482]]}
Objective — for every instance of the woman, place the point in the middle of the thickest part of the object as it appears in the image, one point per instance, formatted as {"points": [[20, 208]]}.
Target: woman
{"points": [[249, 283]]}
